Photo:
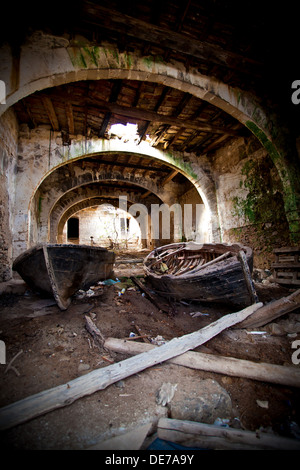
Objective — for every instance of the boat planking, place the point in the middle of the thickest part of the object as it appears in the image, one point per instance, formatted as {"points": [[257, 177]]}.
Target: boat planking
{"points": [[60, 270], [208, 272]]}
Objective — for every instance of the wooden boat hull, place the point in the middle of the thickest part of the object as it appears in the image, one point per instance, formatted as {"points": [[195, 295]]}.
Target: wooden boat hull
{"points": [[216, 282], [60, 270]]}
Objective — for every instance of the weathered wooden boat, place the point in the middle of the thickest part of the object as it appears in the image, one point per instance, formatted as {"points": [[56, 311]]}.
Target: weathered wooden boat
{"points": [[202, 272], [60, 270]]}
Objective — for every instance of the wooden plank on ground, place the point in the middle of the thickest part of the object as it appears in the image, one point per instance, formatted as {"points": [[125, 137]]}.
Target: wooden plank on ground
{"points": [[209, 436], [272, 310], [261, 371], [63, 395]]}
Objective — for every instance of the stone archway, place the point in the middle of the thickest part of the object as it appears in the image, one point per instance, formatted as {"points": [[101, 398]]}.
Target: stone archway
{"points": [[78, 207], [67, 63], [62, 180]]}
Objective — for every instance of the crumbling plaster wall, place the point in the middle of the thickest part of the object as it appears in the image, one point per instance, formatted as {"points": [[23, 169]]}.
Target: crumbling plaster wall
{"points": [[228, 168], [8, 159]]}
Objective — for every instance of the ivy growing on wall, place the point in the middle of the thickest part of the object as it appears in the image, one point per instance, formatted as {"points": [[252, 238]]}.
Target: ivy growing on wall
{"points": [[263, 203]]}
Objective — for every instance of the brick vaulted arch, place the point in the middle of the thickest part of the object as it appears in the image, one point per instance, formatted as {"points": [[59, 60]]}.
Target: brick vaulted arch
{"points": [[52, 66], [69, 175], [80, 198]]}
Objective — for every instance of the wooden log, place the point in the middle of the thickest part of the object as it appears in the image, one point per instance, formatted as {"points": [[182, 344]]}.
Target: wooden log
{"points": [[209, 436], [261, 371], [94, 331], [247, 275], [272, 310], [63, 395]]}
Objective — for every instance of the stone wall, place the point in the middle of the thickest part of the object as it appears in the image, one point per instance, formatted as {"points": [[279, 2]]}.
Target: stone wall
{"points": [[105, 226], [250, 211], [8, 155]]}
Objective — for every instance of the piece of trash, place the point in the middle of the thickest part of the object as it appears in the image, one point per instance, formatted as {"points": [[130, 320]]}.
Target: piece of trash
{"points": [[163, 267], [223, 422], [80, 294], [159, 340], [256, 332], [120, 384], [110, 282], [90, 293], [143, 294], [263, 404], [132, 335], [165, 393], [198, 314]]}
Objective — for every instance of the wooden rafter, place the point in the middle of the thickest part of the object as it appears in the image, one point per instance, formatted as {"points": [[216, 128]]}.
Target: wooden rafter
{"points": [[116, 88], [116, 162], [141, 30], [151, 116], [49, 108], [70, 118]]}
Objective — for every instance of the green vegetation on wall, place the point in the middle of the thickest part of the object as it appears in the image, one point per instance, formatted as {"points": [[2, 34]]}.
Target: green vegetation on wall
{"points": [[263, 203]]}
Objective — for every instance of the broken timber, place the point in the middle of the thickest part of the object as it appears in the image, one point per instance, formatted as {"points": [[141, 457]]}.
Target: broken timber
{"points": [[209, 436], [63, 395], [247, 276], [272, 373], [272, 310]]}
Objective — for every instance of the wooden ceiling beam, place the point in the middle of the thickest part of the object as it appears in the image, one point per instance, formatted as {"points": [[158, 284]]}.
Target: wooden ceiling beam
{"points": [[124, 164], [169, 177], [108, 19], [70, 118], [49, 108], [144, 115], [175, 137], [116, 88]]}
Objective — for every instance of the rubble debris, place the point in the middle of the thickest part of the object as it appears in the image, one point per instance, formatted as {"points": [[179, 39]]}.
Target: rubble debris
{"points": [[272, 310], [198, 314], [263, 403], [204, 401], [158, 340], [83, 368], [65, 394], [165, 393]]}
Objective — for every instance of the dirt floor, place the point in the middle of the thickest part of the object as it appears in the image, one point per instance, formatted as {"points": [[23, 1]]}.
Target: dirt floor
{"points": [[55, 347]]}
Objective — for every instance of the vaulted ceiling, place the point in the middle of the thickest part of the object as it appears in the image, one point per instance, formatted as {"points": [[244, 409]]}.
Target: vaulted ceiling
{"points": [[235, 42]]}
